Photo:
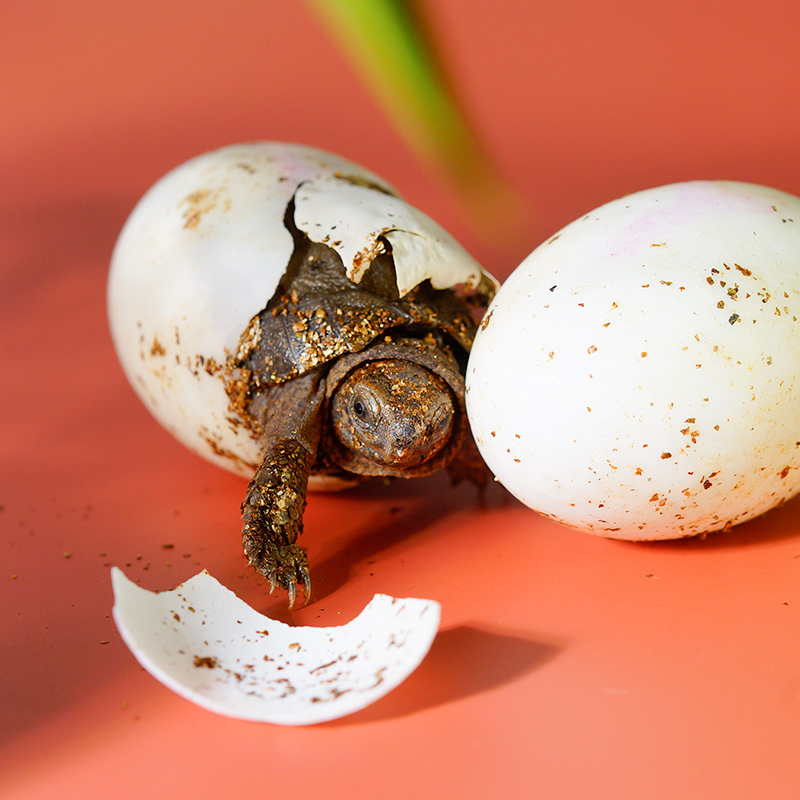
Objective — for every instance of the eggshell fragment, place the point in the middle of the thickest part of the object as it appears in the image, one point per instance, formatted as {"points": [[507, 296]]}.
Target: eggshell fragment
{"points": [[353, 219], [637, 376], [210, 647]]}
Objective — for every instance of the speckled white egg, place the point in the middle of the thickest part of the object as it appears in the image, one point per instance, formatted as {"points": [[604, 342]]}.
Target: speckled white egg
{"points": [[204, 249], [637, 375]]}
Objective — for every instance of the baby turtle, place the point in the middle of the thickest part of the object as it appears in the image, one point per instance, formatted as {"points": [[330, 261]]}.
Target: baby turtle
{"points": [[282, 311], [347, 380]]}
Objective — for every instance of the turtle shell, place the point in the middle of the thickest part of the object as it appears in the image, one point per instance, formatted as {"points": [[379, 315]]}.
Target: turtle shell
{"points": [[208, 246], [322, 316]]}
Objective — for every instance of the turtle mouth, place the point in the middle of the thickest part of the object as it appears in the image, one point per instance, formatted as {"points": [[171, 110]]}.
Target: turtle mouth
{"points": [[424, 442], [419, 440]]}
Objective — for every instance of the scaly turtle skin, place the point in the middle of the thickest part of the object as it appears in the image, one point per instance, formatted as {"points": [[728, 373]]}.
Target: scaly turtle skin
{"points": [[347, 380]]}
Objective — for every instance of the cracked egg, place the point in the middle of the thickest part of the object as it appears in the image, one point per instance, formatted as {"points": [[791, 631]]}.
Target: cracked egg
{"points": [[204, 251], [204, 643], [638, 375]]}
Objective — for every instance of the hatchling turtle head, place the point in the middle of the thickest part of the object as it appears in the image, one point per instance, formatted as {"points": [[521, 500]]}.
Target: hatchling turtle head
{"points": [[393, 413]]}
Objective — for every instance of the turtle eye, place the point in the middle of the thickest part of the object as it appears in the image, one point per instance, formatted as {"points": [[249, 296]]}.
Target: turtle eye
{"points": [[365, 408]]}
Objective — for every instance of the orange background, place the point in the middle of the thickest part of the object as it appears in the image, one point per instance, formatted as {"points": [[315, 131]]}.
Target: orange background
{"points": [[567, 666]]}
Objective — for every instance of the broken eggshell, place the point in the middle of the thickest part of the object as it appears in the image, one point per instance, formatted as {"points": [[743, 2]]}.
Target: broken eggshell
{"points": [[638, 375], [204, 250], [210, 647]]}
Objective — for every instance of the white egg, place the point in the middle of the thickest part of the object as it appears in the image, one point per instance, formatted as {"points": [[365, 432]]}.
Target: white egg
{"points": [[637, 376], [203, 251]]}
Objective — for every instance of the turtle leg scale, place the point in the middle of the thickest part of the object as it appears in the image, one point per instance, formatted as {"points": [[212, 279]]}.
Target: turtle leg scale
{"points": [[272, 511], [272, 516]]}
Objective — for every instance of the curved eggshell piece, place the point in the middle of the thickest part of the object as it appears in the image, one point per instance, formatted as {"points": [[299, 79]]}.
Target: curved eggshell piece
{"points": [[204, 643], [353, 219]]}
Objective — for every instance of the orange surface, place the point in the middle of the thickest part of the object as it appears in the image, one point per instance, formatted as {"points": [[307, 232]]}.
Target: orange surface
{"points": [[567, 666]]}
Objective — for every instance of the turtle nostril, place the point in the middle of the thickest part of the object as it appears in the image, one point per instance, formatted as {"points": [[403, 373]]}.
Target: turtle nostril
{"points": [[403, 442]]}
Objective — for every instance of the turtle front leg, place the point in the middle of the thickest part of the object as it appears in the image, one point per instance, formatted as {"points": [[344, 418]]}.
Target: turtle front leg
{"points": [[272, 511]]}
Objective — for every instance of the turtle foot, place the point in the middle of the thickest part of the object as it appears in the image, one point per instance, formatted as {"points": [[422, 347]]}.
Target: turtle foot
{"points": [[284, 566]]}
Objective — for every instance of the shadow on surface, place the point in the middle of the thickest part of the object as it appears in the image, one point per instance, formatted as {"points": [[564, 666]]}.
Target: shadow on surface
{"points": [[779, 524], [414, 508], [463, 661]]}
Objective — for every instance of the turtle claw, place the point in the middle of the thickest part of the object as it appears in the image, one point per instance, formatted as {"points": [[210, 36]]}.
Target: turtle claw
{"points": [[301, 575], [283, 566], [306, 587]]}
